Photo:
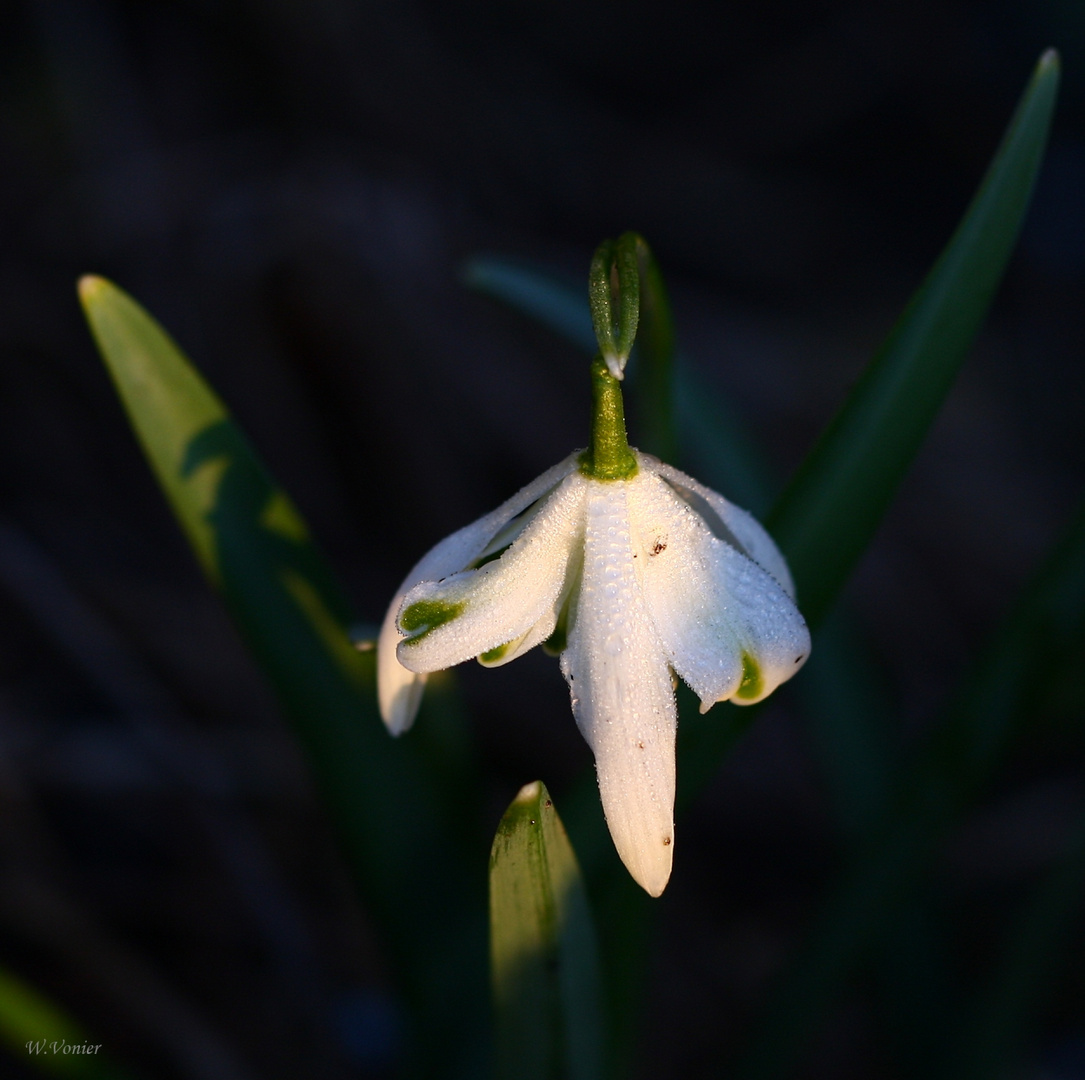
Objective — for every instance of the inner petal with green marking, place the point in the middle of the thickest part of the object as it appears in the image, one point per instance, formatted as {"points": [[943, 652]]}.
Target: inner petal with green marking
{"points": [[424, 616], [751, 685]]}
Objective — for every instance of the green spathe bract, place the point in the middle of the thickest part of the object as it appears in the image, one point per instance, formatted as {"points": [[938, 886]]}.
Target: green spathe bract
{"points": [[614, 298]]}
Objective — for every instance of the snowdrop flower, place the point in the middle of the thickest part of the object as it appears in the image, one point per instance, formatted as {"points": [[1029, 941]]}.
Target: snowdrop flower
{"points": [[634, 573]]}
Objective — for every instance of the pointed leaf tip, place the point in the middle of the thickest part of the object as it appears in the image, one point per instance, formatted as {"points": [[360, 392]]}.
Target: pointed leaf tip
{"points": [[89, 286], [529, 792]]}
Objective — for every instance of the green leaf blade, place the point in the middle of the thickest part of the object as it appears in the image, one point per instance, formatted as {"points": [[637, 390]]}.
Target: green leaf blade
{"points": [[831, 509], [255, 549], [542, 948], [43, 1034], [1044, 632], [1005, 1011]]}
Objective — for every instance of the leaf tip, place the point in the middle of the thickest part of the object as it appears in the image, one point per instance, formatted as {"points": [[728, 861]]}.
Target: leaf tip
{"points": [[1049, 59], [529, 792], [90, 288]]}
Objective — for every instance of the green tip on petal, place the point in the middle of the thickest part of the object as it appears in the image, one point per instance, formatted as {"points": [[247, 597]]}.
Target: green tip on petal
{"points": [[752, 684], [425, 616]]}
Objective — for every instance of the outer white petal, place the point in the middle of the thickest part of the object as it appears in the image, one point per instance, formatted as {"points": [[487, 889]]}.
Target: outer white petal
{"points": [[676, 556], [621, 690], [721, 617], [504, 599], [767, 622], [749, 532], [399, 691]]}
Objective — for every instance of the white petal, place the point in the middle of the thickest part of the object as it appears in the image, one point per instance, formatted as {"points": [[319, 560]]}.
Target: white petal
{"points": [[728, 627], [774, 636], [399, 691], [676, 554], [621, 691], [479, 610], [749, 532]]}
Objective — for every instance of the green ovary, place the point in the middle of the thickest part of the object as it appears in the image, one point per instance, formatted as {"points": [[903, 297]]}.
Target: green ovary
{"points": [[752, 684], [425, 616]]}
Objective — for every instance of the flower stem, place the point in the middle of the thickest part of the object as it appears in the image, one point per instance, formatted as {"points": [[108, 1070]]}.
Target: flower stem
{"points": [[609, 456]]}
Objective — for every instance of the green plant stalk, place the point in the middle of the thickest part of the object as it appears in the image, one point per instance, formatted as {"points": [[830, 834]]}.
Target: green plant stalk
{"points": [[608, 457]]}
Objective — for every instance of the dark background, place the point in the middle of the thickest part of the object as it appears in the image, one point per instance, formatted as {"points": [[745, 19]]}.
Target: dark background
{"points": [[292, 189]]}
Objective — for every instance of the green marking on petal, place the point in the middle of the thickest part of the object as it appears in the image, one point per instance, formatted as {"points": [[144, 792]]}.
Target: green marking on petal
{"points": [[555, 644], [494, 655], [752, 684], [425, 616]]}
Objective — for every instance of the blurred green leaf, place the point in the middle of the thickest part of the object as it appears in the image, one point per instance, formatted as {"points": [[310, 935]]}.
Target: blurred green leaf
{"points": [[1042, 634], [829, 512], [996, 1036], [542, 949], [654, 352], [254, 547], [562, 307], [40, 1033]]}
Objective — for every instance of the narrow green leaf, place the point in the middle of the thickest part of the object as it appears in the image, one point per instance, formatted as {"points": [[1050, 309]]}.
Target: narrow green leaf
{"points": [[554, 303], [42, 1034], [254, 547], [542, 949], [829, 512], [847, 710], [994, 1040], [1044, 633], [824, 522]]}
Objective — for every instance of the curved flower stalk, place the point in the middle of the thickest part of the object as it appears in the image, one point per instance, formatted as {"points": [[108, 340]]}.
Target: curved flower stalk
{"points": [[633, 573]]}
